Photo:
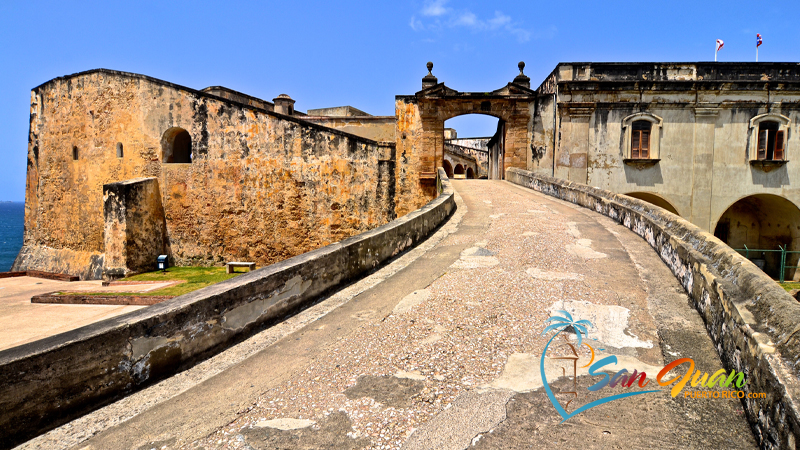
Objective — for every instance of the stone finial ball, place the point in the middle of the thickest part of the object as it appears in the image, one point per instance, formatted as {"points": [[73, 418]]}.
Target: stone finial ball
{"points": [[521, 66], [430, 66]]}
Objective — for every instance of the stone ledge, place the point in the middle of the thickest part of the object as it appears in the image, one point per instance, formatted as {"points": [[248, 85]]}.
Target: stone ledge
{"points": [[46, 383], [40, 274], [751, 319], [73, 298]]}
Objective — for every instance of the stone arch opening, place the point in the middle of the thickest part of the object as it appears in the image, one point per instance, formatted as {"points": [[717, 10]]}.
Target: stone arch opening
{"points": [[470, 173], [654, 199], [74, 152], [119, 150], [466, 137], [763, 222], [176, 146], [448, 168], [459, 172]]}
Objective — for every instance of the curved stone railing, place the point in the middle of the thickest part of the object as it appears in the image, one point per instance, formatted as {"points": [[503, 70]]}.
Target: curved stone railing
{"points": [[48, 382], [752, 320]]}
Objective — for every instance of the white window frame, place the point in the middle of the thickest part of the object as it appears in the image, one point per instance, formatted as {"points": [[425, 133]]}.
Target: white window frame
{"points": [[655, 134], [755, 122]]}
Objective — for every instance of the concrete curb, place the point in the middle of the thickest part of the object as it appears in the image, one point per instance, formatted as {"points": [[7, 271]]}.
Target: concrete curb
{"points": [[51, 381], [751, 319]]}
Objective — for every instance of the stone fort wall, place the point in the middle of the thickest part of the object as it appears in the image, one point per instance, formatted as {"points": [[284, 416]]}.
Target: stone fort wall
{"points": [[261, 186]]}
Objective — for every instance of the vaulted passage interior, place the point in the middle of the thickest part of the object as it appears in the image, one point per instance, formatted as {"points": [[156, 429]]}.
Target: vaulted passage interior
{"points": [[763, 222]]}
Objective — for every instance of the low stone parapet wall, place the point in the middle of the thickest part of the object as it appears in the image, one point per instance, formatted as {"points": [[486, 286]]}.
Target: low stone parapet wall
{"points": [[752, 320], [46, 383]]}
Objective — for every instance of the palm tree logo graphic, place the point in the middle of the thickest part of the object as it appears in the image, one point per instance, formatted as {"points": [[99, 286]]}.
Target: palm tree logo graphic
{"points": [[561, 323]]}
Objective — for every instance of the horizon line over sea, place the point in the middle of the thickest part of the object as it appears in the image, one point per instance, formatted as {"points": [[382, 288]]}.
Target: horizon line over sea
{"points": [[12, 226]]}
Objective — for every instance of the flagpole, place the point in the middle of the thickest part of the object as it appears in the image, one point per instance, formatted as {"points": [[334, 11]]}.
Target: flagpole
{"points": [[756, 53]]}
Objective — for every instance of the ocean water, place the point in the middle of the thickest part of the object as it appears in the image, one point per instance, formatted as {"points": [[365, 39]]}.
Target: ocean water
{"points": [[12, 223]]}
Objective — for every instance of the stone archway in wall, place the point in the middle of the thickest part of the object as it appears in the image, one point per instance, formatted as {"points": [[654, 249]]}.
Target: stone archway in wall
{"points": [[655, 199], [763, 221], [421, 117], [448, 168]]}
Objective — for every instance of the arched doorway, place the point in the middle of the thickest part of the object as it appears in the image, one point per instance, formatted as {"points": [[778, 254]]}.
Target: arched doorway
{"points": [[470, 173], [458, 172], [448, 168], [763, 222], [176, 146], [467, 136], [654, 199]]}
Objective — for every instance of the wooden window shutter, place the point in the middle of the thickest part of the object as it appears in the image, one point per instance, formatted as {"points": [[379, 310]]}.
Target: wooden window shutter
{"points": [[778, 155], [762, 143], [635, 143], [645, 147]]}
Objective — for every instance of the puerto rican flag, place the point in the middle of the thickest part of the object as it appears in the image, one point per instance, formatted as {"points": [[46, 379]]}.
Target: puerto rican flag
{"points": [[719, 44], [758, 40]]}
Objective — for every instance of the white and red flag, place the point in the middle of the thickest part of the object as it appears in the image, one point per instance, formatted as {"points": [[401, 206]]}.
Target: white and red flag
{"points": [[719, 44]]}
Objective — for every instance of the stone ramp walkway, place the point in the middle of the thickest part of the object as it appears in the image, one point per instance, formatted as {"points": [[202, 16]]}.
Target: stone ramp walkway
{"points": [[444, 353]]}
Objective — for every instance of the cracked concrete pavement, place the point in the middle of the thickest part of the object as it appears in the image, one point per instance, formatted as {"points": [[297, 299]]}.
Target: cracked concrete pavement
{"points": [[444, 351]]}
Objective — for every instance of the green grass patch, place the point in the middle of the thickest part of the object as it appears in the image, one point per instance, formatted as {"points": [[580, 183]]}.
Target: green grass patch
{"points": [[789, 285], [196, 278]]}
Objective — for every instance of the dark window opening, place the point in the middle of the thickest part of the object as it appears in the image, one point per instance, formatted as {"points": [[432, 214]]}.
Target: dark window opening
{"points": [[771, 141], [640, 139], [119, 150], [36, 153], [74, 153], [176, 146]]}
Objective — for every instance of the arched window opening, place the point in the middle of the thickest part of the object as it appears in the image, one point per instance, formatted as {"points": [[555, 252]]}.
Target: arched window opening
{"points": [[74, 153], [176, 146], [771, 141], [448, 168], [640, 139], [119, 150]]}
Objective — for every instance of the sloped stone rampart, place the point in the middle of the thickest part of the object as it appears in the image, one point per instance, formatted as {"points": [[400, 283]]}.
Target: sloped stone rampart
{"points": [[751, 319], [46, 383]]}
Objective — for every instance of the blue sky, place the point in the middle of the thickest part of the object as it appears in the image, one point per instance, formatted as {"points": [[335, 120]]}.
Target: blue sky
{"points": [[356, 53]]}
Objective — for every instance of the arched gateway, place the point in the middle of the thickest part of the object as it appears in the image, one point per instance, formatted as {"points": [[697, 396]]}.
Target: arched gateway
{"points": [[421, 117]]}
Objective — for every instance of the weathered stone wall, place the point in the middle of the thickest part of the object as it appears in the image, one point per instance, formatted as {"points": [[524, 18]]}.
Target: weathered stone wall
{"points": [[260, 186], [412, 157], [135, 232], [376, 128], [752, 320], [705, 141], [46, 383]]}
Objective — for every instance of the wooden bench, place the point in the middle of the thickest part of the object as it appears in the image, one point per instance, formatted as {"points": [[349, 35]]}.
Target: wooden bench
{"points": [[229, 266]]}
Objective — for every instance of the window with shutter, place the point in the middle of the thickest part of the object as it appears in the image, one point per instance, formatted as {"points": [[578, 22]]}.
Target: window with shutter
{"points": [[768, 146], [778, 155], [640, 139], [645, 146], [762, 144]]}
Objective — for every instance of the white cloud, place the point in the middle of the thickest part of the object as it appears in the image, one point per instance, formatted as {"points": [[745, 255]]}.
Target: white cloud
{"points": [[416, 25], [499, 20], [467, 19], [435, 8]]}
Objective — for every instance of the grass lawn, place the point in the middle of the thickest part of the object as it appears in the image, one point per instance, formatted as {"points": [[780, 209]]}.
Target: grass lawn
{"points": [[196, 278], [789, 285]]}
